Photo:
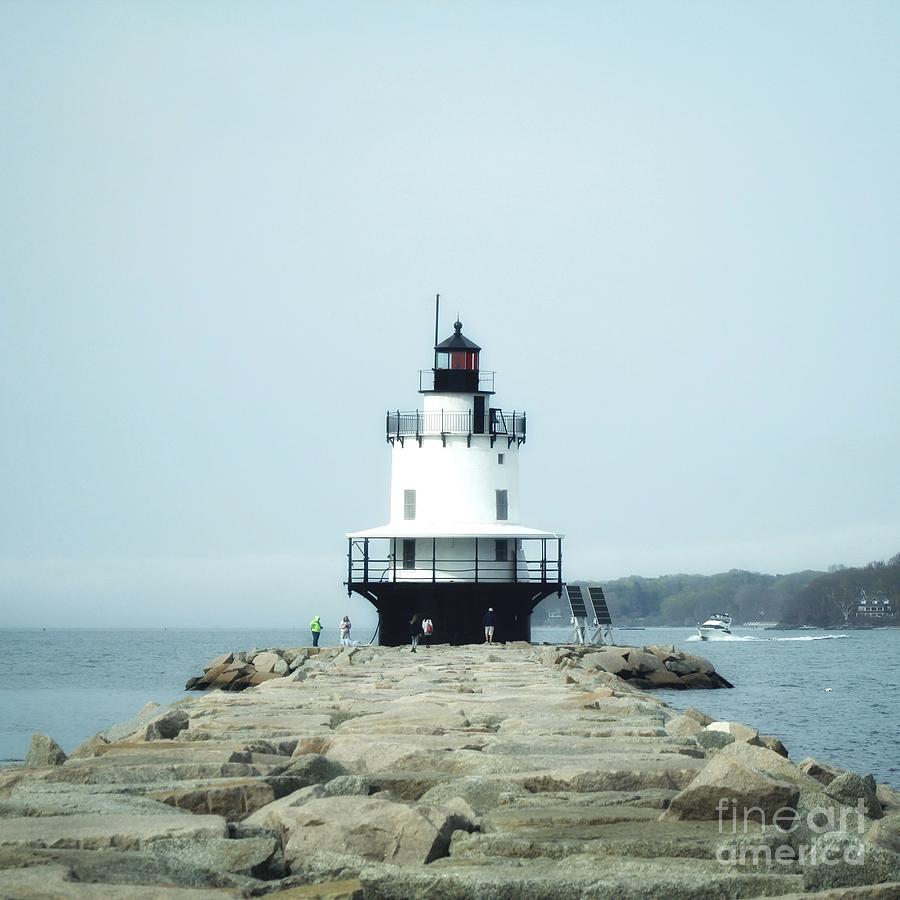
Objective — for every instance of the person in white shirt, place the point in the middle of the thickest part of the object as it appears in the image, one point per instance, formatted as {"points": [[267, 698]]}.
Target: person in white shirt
{"points": [[345, 631], [427, 631]]}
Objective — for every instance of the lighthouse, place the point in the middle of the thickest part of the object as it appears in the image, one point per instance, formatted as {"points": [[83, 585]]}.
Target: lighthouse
{"points": [[454, 546]]}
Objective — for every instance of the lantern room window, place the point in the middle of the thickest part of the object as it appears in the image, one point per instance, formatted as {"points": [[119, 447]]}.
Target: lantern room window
{"points": [[464, 360]]}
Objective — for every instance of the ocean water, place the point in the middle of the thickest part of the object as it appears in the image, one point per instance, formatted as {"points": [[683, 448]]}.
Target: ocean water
{"points": [[832, 695]]}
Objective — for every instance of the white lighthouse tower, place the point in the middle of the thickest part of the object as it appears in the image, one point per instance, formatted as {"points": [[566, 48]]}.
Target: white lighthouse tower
{"points": [[454, 545]]}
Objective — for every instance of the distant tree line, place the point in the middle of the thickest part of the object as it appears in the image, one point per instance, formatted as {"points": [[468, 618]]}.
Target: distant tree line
{"points": [[688, 599], [839, 596], [800, 598]]}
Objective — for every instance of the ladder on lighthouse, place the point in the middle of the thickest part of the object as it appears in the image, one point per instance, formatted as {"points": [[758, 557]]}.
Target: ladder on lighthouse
{"points": [[588, 605]]}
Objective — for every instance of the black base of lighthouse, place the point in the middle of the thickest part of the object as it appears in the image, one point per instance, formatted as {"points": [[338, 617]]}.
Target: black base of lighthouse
{"points": [[456, 609]]}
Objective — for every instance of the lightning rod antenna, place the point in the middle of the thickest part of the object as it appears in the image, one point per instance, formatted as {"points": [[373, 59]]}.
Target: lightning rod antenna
{"points": [[437, 312]]}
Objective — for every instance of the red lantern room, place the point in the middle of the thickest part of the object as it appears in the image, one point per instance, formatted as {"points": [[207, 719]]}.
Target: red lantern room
{"points": [[456, 363]]}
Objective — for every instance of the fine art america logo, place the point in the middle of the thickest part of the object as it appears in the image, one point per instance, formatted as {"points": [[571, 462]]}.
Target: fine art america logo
{"points": [[798, 830]]}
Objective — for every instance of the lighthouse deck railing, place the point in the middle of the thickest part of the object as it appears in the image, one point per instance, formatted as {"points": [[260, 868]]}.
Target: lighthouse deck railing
{"points": [[485, 379], [417, 424], [365, 566]]}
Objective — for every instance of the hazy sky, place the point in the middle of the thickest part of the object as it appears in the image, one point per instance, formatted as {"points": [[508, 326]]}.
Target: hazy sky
{"points": [[673, 228]]}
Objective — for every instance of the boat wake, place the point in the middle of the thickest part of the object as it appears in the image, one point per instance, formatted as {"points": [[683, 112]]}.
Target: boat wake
{"points": [[812, 637], [750, 637]]}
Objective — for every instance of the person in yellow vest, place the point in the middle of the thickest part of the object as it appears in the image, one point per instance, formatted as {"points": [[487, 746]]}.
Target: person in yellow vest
{"points": [[316, 628]]}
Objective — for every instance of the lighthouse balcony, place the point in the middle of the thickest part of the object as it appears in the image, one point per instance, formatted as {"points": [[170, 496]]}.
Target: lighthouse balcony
{"points": [[466, 381], [429, 560], [416, 425]]}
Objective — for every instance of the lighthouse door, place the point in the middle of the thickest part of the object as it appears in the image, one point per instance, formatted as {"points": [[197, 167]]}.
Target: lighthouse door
{"points": [[478, 424]]}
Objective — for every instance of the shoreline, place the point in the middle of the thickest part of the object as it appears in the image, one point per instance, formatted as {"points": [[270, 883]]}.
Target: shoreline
{"points": [[422, 770]]}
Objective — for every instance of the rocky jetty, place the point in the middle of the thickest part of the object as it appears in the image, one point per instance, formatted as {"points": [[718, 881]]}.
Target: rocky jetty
{"points": [[497, 772], [648, 667]]}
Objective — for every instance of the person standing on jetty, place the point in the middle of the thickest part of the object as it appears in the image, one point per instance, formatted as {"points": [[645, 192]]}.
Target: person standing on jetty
{"points": [[489, 621], [345, 631], [316, 628], [414, 631]]}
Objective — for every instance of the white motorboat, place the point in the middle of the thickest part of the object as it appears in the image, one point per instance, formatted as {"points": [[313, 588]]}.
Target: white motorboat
{"points": [[716, 626]]}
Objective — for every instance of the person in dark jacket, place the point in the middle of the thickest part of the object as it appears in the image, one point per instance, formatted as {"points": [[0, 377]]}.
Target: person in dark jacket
{"points": [[415, 629], [489, 621]]}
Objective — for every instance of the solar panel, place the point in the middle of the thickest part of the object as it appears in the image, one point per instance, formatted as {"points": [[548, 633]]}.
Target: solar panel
{"points": [[576, 601], [601, 610]]}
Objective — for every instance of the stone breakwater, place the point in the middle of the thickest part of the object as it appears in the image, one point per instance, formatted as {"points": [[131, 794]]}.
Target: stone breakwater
{"points": [[493, 772], [647, 667]]}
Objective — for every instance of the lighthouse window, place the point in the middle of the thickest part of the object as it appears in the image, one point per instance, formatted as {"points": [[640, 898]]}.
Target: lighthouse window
{"points": [[409, 504], [502, 505], [501, 459], [501, 551], [409, 554]]}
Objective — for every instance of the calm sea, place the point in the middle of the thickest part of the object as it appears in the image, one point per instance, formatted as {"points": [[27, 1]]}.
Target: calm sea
{"points": [[72, 683]]}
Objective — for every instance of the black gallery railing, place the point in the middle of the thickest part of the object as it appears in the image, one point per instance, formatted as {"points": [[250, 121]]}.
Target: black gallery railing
{"points": [[485, 379], [365, 567], [417, 424]]}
